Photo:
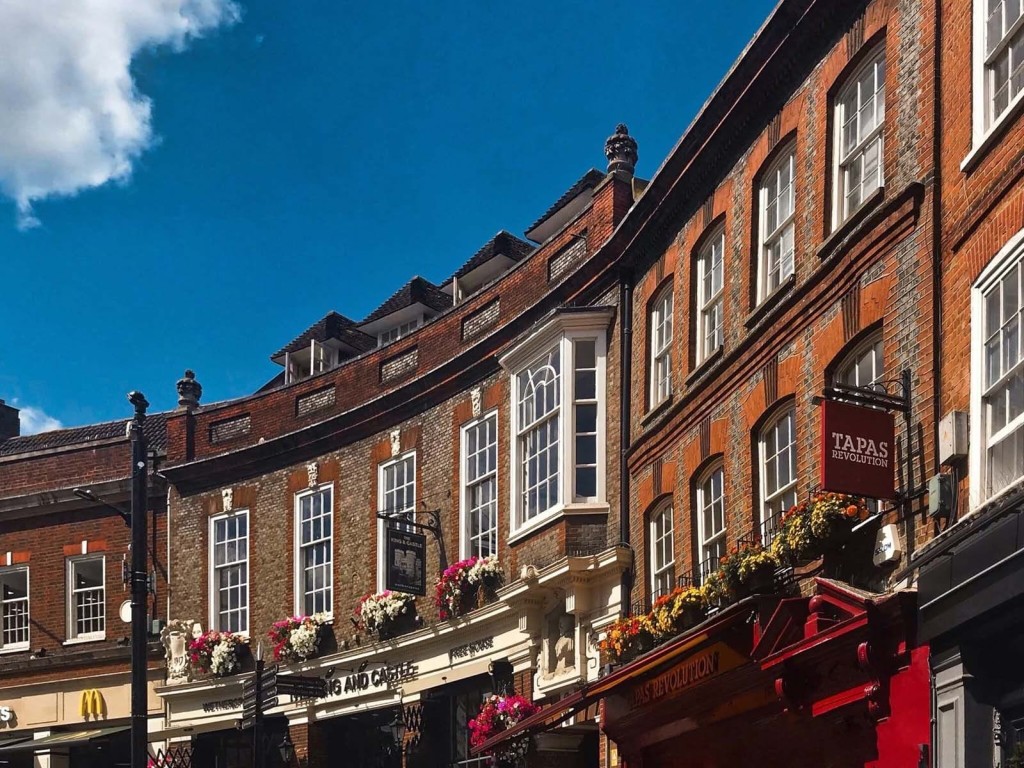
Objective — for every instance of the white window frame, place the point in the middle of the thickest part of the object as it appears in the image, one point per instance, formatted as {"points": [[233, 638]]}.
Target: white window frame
{"points": [[400, 331], [1009, 255], [707, 540], [381, 523], [213, 569], [985, 122], [848, 371], [841, 162], [661, 328], [26, 644], [663, 550], [299, 575], [713, 303], [766, 499], [562, 331], [768, 240], [467, 548], [72, 613]]}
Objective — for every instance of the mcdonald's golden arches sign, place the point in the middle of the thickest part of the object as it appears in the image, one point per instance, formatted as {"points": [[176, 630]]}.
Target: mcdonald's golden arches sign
{"points": [[92, 704]]}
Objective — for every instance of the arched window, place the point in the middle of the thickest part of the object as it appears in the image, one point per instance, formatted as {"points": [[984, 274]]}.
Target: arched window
{"points": [[859, 120], [710, 508], [777, 449], [864, 366], [661, 346], [710, 281], [777, 224], [663, 559]]}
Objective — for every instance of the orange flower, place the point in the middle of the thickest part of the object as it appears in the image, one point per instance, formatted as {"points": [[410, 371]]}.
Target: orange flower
{"points": [[852, 510]]}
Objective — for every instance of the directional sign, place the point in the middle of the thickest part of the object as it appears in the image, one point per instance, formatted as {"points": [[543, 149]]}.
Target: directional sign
{"points": [[302, 686]]}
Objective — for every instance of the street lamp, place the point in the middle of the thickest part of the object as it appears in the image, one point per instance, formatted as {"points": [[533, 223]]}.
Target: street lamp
{"points": [[286, 749], [85, 493], [140, 582]]}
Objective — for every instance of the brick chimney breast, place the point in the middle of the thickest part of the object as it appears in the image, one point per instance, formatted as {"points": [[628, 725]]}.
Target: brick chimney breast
{"points": [[620, 149], [189, 391]]}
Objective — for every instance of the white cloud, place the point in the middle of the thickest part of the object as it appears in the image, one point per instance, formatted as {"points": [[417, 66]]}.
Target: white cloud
{"points": [[70, 115], [35, 420]]}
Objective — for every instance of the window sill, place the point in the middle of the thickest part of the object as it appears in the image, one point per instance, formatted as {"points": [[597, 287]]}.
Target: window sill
{"points": [[87, 639], [982, 146], [557, 513], [770, 302], [705, 365], [656, 411], [15, 649], [844, 231]]}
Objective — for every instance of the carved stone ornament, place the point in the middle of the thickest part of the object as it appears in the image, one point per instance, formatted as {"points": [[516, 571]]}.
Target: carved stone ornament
{"points": [[620, 149], [189, 391], [396, 442], [475, 397], [175, 638], [313, 474], [228, 496]]}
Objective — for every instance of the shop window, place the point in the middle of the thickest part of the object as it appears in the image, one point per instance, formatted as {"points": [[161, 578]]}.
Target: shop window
{"points": [[230, 572], [711, 517], [777, 449], [777, 224], [998, 372], [663, 559], [88, 605], [396, 490], [859, 123], [998, 60], [661, 347], [558, 420], [710, 280], [314, 513], [864, 366], [480, 487], [14, 608]]}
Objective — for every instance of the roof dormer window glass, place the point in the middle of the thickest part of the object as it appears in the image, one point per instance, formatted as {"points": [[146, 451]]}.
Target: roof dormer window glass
{"points": [[394, 334]]}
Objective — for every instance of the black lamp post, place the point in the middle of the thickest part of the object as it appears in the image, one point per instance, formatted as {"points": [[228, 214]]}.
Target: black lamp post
{"points": [[286, 749], [140, 582]]}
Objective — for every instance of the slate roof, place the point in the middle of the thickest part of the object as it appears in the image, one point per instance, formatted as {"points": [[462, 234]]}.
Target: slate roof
{"points": [[155, 429], [416, 291], [330, 326], [503, 243], [590, 179]]}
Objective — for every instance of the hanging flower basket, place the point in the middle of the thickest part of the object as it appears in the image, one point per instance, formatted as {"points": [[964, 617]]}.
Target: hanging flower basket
{"points": [[498, 714], [467, 584], [387, 614], [297, 638], [629, 637], [810, 529], [217, 653], [678, 611]]}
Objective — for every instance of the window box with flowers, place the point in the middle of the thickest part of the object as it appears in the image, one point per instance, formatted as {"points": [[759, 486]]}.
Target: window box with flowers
{"points": [[628, 637], [218, 653], [677, 611], [466, 585], [749, 570], [387, 614], [812, 529], [498, 714], [297, 638]]}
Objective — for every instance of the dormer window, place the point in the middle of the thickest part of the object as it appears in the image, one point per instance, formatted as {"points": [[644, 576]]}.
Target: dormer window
{"points": [[394, 334], [314, 359]]}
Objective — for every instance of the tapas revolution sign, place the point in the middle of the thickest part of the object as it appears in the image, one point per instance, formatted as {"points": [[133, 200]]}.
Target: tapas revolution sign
{"points": [[857, 450]]}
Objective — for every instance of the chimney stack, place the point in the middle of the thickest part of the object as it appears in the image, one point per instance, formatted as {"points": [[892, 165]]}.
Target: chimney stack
{"points": [[189, 391], [620, 149], [10, 421]]}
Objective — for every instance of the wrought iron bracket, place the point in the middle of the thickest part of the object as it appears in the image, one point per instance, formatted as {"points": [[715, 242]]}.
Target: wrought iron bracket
{"points": [[891, 394], [433, 528]]}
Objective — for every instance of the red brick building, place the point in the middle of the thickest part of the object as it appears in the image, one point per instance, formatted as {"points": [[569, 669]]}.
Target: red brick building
{"points": [[486, 405], [64, 653]]}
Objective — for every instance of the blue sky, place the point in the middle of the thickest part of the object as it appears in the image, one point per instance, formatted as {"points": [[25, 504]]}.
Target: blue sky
{"points": [[296, 158]]}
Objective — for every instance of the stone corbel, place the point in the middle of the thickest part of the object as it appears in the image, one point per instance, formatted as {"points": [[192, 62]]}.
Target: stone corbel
{"points": [[531, 614], [578, 594]]}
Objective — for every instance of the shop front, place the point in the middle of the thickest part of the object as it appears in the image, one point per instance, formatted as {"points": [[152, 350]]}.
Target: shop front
{"points": [[972, 614], [835, 679]]}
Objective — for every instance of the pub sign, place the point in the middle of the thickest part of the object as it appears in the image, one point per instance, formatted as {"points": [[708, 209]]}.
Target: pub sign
{"points": [[405, 568], [857, 450]]}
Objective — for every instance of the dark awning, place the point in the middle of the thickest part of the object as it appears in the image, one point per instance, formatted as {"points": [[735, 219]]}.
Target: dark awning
{"points": [[62, 739]]}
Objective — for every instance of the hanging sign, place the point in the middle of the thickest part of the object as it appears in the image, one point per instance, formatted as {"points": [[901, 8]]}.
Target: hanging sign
{"points": [[405, 566], [857, 450]]}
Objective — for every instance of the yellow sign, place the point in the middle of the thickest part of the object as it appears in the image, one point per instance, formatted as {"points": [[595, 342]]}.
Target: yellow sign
{"points": [[92, 704]]}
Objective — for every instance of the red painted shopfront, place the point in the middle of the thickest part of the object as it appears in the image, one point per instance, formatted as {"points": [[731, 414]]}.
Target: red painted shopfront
{"points": [[834, 680]]}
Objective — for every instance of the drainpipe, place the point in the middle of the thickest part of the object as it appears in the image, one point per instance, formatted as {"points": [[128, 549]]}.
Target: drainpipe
{"points": [[625, 396]]}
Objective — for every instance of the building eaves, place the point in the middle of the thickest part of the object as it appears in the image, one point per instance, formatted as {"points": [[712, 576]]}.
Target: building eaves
{"points": [[590, 179], [330, 326], [155, 430], [416, 291], [504, 244]]}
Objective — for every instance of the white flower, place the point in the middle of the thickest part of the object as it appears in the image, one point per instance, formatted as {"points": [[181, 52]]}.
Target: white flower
{"points": [[304, 640]]}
